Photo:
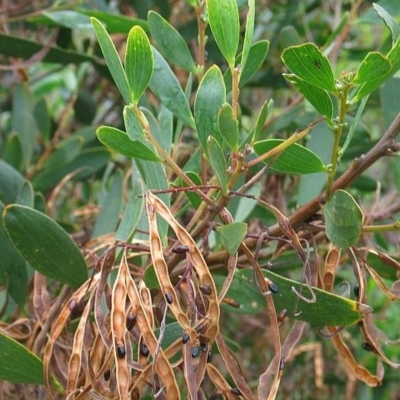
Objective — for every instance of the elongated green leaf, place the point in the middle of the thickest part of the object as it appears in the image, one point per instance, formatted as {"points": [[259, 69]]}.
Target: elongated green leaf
{"points": [[18, 364], [343, 219], [68, 18], [372, 68], [228, 126], [296, 159], [232, 235], [193, 197], [166, 87], [262, 117], [328, 310], [248, 37], [11, 182], [13, 272], [257, 54], [112, 59], [87, 163], [319, 98], [390, 22], [24, 121], [209, 99], [132, 124], [115, 23], [217, 161], [170, 43], [308, 63], [65, 152], [120, 142], [45, 245], [223, 17], [108, 217], [139, 62]]}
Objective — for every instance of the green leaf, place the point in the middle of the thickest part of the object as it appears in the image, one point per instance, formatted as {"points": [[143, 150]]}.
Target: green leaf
{"points": [[228, 126], [24, 122], [389, 21], [115, 23], [170, 43], [257, 54], [262, 117], [87, 163], [232, 235], [343, 219], [139, 62], [120, 142], [223, 17], [217, 161], [210, 97], [11, 182], [65, 152], [249, 32], [328, 310], [13, 272], [309, 64], [132, 125], [296, 159], [372, 68], [194, 198], [68, 18], [112, 59], [319, 98], [108, 216], [18, 364], [166, 87], [44, 245]]}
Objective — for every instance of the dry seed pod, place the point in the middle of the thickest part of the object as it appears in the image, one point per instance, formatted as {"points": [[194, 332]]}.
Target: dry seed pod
{"points": [[154, 204]]}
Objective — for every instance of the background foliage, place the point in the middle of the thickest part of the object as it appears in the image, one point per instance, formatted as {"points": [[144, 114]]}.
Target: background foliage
{"points": [[199, 189]]}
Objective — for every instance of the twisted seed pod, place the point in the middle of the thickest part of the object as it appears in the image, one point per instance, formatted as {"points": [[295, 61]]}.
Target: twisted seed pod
{"points": [[154, 204], [162, 367], [118, 328], [75, 360]]}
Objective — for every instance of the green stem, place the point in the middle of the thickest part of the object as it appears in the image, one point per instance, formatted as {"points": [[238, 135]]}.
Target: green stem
{"points": [[395, 226], [337, 133]]}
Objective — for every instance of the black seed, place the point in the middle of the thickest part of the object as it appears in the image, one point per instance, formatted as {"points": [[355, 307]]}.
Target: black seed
{"points": [[180, 249], [121, 352], [130, 321], [72, 305], [107, 374], [205, 289], [185, 338], [282, 364], [203, 347], [367, 346], [209, 356], [144, 350], [357, 291], [195, 351], [236, 391], [168, 298], [273, 288]]}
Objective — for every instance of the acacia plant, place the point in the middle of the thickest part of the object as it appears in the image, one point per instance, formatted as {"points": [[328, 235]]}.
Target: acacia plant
{"points": [[212, 229]]}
